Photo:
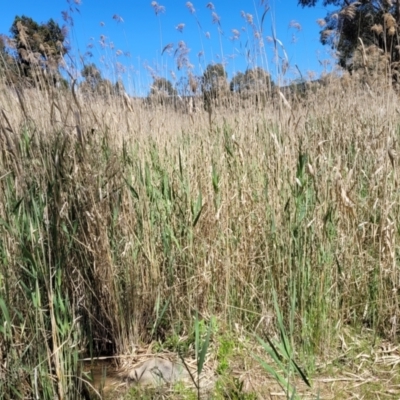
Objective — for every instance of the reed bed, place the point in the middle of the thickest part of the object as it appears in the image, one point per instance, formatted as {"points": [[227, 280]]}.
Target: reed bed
{"points": [[120, 222]]}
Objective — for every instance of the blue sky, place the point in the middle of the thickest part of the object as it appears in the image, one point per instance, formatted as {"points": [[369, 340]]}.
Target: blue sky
{"points": [[126, 37]]}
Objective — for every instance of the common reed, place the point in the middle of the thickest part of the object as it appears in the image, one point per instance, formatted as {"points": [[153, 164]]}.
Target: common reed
{"points": [[109, 211]]}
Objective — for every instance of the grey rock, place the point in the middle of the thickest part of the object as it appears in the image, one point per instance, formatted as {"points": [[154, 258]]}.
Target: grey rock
{"points": [[157, 371]]}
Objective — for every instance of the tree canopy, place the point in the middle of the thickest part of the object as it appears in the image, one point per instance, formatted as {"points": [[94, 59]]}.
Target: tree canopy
{"points": [[214, 80], [356, 25], [252, 81], [40, 43], [94, 83], [34, 48], [162, 87], [92, 76]]}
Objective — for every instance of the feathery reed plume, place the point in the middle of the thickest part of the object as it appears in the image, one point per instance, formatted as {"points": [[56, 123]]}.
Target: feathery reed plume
{"points": [[117, 18], [349, 11], [236, 34], [180, 27], [377, 28], [326, 33], [294, 24], [158, 9], [190, 7], [390, 23]]}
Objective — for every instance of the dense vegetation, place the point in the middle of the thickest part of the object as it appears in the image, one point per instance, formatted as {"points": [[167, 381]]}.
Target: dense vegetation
{"points": [[124, 222]]}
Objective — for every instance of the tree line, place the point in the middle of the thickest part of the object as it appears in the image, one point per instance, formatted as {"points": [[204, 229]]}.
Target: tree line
{"points": [[34, 52], [364, 34], [214, 84]]}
